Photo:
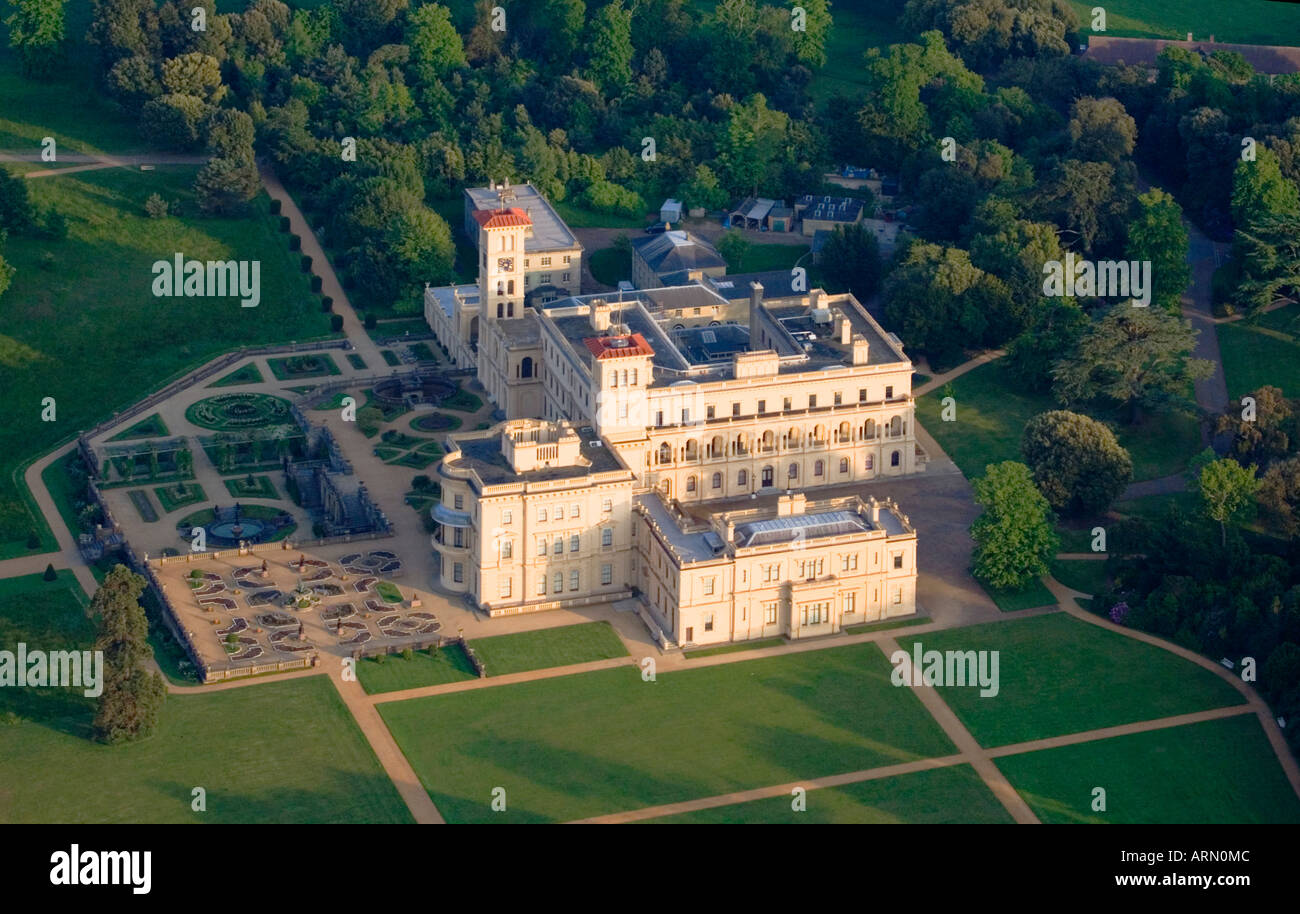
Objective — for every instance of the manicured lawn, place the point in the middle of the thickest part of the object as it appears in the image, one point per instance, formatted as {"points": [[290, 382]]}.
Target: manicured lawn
{"points": [[100, 291], [593, 743], [760, 257], [954, 794], [356, 361], [1075, 540], [1244, 21], [394, 672], [548, 647], [1032, 596], [885, 626], [143, 506], [298, 755], [1255, 356], [1219, 771], [390, 357], [64, 104], [388, 592], [315, 365], [179, 495], [463, 402], [149, 427], [1058, 675], [576, 217], [734, 648], [248, 374], [992, 409], [610, 265], [261, 487], [386, 330], [1085, 576]]}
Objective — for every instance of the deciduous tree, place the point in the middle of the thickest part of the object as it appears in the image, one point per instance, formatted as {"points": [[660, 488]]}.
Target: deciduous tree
{"points": [[1014, 537]]}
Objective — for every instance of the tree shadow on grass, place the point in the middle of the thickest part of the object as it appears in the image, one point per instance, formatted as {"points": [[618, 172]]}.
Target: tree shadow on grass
{"points": [[586, 785]]}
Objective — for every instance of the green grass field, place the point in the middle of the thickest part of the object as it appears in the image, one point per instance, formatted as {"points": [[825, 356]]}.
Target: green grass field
{"points": [[992, 409], [548, 647], [1086, 576], [608, 266], [1221, 771], [247, 374], [942, 795], [1059, 675], [284, 752], [761, 257], [1255, 355], [150, 427], [1032, 596], [394, 672], [1242, 21], [734, 648], [885, 626], [171, 497], [101, 291], [583, 745]]}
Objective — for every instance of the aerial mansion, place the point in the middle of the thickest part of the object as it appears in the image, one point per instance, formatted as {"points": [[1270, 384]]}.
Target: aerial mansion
{"points": [[699, 446]]}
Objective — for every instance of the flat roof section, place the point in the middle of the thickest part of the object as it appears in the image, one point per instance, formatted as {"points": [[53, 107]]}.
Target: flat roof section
{"points": [[486, 458], [549, 231]]}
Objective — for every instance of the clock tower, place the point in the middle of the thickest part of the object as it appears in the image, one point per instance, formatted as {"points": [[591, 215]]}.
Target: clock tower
{"points": [[501, 236]]}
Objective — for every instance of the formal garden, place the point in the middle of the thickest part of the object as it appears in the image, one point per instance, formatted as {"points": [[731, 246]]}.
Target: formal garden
{"points": [[292, 368], [232, 412]]}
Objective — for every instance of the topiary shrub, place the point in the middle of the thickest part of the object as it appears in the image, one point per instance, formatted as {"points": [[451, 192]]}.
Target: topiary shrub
{"points": [[371, 321], [284, 223], [306, 266], [50, 573], [275, 207], [336, 322], [326, 303], [295, 243], [315, 282], [33, 540]]}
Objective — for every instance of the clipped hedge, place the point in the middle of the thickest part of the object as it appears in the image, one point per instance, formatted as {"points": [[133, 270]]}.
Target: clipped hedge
{"points": [[295, 243], [275, 207], [315, 283], [306, 266]]}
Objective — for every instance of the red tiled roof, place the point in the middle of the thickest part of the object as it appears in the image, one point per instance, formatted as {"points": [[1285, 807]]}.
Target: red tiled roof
{"points": [[501, 218], [617, 347]]}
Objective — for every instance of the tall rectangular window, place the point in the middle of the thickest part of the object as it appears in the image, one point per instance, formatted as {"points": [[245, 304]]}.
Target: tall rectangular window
{"points": [[458, 572], [504, 587], [607, 574], [574, 540], [573, 579]]}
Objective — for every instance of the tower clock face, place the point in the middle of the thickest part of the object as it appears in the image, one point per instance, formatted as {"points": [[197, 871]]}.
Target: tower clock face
{"points": [[505, 264]]}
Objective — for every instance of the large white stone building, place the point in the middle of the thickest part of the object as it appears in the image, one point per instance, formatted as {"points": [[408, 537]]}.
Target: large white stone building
{"points": [[702, 447]]}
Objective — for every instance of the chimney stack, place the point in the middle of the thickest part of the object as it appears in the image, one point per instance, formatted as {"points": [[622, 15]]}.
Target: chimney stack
{"points": [[846, 330], [861, 349]]}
